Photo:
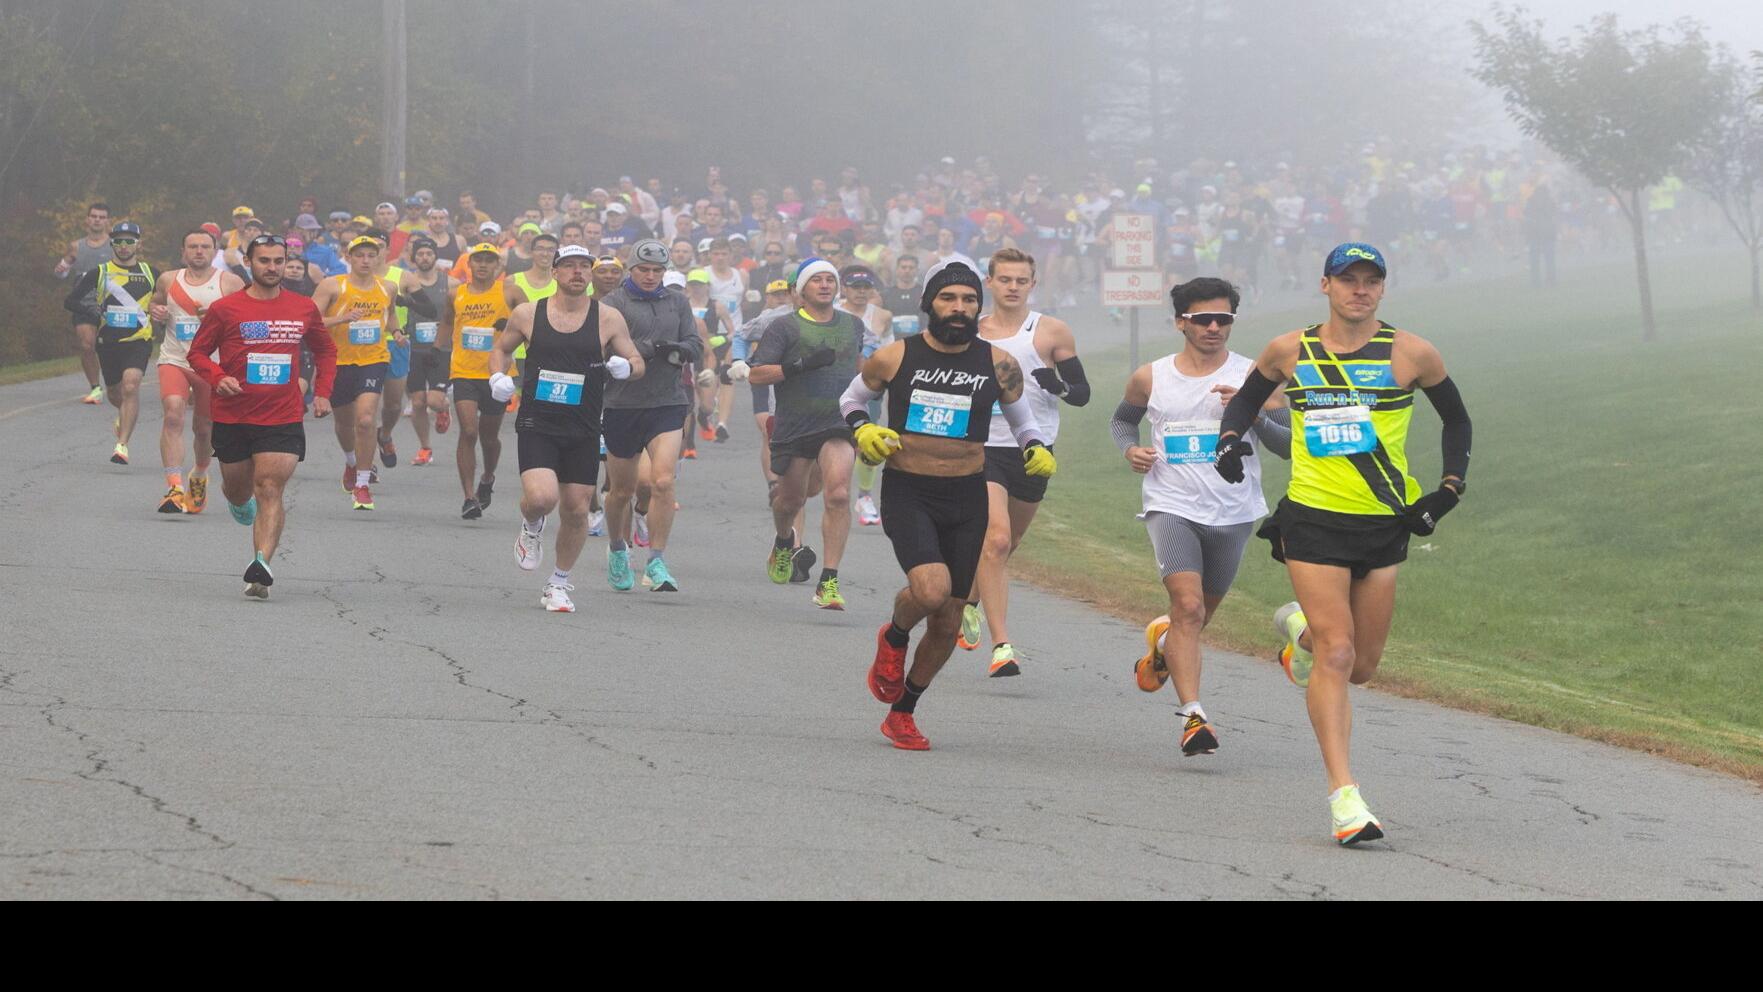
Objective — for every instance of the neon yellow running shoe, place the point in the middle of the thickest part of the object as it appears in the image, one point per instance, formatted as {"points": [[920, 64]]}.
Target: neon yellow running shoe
{"points": [[828, 598], [1004, 662], [778, 568], [1289, 621], [1353, 822], [971, 618]]}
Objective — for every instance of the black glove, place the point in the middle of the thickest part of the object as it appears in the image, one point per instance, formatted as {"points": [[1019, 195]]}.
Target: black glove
{"points": [[1049, 380], [675, 353], [1231, 451], [819, 358], [1423, 517]]}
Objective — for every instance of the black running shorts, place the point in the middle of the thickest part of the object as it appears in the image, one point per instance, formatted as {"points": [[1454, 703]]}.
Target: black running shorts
{"points": [[575, 460], [238, 442], [1004, 466], [1359, 542], [115, 359], [428, 370], [933, 519], [628, 432], [354, 380], [478, 391], [807, 447]]}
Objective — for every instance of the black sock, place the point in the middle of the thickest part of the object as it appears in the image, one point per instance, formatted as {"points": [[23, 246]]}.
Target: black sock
{"points": [[895, 636], [784, 543], [830, 573], [909, 700]]}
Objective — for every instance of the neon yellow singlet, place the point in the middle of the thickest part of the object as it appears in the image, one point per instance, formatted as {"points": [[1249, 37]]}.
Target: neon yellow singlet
{"points": [[1350, 429], [532, 296]]}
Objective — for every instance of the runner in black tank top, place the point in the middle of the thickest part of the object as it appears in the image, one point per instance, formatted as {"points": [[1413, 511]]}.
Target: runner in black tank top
{"points": [[573, 345]]}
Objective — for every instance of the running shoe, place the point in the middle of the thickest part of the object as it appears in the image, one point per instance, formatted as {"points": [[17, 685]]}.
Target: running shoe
{"points": [[1353, 822], [706, 434], [802, 564], [555, 598], [348, 478], [198, 499], [690, 454], [597, 523], [95, 397], [389, 453], [1289, 621], [903, 731], [258, 580], [485, 489], [443, 420], [363, 498], [120, 454], [828, 598], [777, 567], [471, 510], [887, 674], [660, 579], [971, 619], [868, 515], [1197, 737], [173, 501], [529, 548], [1003, 662], [721, 434], [245, 515], [640, 529], [423, 456], [1150, 671], [618, 570]]}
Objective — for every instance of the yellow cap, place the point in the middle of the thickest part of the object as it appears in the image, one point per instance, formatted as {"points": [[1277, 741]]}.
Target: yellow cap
{"points": [[363, 221], [483, 247], [243, 212], [698, 275], [778, 286], [365, 239]]}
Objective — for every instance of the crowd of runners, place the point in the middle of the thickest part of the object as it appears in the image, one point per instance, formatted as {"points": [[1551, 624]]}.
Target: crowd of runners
{"points": [[905, 366]]}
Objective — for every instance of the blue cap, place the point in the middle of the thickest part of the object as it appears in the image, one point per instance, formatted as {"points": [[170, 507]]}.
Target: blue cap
{"points": [[126, 229], [1352, 253]]}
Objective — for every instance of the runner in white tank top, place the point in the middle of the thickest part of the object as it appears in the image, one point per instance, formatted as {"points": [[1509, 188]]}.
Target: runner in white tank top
{"points": [[1047, 352], [180, 300], [1198, 523], [862, 289]]}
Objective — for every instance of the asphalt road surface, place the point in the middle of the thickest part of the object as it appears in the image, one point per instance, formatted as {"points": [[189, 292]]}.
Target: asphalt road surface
{"points": [[403, 721]]}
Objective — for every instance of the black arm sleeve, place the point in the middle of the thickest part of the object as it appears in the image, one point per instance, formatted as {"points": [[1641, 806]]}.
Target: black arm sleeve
{"points": [[420, 304], [1072, 371], [1454, 444], [1247, 403], [1125, 425], [76, 297]]}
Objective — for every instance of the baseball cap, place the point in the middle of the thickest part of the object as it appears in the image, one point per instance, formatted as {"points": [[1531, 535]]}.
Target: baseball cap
{"points": [[698, 275], [126, 229], [307, 222], [737, 236], [574, 251], [212, 228], [362, 219], [861, 274], [414, 201], [423, 242], [704, 244], [489, 227], [1346, 255], [529, 228], [778, 286], [243, 211], [424, 195], [365, 239], [483, 247], [616, 207], [608, 262], [674, 279], [339, 215], [388, 205]]}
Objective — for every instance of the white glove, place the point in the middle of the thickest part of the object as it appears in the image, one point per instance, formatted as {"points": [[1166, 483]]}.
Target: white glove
{"points": [[618, 367], [738, 371], [501, 387], [706, 379]]}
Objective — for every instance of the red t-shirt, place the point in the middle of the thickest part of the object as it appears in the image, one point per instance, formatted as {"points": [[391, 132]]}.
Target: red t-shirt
{"points": [[259, 344]]}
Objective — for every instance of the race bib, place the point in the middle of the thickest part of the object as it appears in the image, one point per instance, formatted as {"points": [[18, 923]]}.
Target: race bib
{"points": [[1177, 249], [477, 338], [1189, 442], [906, 326], [268, 370], [122, 318], [563, 388], [365, 332], [424, 331], [184, 328], [938, 414], [1345, 430], [1232, 235]]}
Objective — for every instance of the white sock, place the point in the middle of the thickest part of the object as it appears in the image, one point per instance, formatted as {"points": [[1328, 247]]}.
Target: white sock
{"points": [[1163, 642], [1192, 709], [559, 577], [349, 458], [533, 529], [363, 476]]}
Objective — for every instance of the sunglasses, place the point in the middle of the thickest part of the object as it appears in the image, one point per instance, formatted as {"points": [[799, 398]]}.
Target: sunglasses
{"points": [[125, 242], [267, 239], [1207, 319]]}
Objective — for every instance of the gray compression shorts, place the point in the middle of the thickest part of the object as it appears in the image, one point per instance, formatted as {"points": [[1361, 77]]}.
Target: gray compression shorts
{"points": [[1185, 546]]}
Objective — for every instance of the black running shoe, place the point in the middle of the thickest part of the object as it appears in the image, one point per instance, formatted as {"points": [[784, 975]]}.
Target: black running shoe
{"points": [[258, 580], [472, 510], [721, 433], [802, 564], [485, 489]]}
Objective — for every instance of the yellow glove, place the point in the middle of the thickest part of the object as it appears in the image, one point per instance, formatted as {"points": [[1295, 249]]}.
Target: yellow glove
{"points": [[1038, 462], [875, 443]]}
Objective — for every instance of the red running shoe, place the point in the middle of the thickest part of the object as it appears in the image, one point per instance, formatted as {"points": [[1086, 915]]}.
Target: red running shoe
{"points": [[887, 676], [443, 420], [900, 728]]}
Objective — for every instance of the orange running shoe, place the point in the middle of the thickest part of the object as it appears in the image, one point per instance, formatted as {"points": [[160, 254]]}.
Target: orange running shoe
{"points": [[1197, 737], [1150, 670], [706, 434], [690, 454], [903, 731], [887, 675], [443, 420], [423, 456]]}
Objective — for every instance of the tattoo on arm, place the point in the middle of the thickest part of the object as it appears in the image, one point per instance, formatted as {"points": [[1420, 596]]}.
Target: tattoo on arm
{"points": [[1009, 376]]}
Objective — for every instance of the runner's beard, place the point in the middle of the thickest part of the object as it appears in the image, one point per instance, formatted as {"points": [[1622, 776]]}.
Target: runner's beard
{"points": [[955, 329]]}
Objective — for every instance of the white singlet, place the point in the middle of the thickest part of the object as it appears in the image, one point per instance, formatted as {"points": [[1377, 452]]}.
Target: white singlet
{"points": [[1045, 405], [175, 349], [1183, 418]]}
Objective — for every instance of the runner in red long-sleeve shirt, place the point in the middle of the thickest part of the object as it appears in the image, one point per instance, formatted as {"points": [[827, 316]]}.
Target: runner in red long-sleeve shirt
{"points": [[258, 435]]}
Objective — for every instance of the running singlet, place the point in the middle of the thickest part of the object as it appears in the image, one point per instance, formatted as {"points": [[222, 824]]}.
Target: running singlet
{"points": [[123, 295], [425, 333], [565, 383], [396, 275], [361, 341], [532, 296], [1021, 346], [183, 300], [474, 329], [1350, 429], [936, 394], [1184, 414]]}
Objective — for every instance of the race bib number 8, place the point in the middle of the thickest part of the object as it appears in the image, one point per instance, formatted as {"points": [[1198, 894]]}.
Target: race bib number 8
{"points": [[364, 332], [425, 331], [1189, 442], [938, 414], [564, 388], [268, 370], [184, 328], [1343, 430], [477, 338]]}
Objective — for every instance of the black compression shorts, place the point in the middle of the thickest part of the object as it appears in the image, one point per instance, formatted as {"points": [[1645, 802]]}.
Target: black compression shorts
{"points": [[576, 460], [933, 519]]}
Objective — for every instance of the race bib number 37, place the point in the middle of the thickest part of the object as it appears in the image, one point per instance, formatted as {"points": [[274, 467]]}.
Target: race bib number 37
{"points": [[559, 387], [938, 414]]}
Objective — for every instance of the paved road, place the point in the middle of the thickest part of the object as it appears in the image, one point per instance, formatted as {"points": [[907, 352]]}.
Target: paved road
{"points": [[403, 721]]}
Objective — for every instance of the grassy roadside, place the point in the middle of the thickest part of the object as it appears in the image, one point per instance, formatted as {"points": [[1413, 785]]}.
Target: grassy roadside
{"points": [[12, 375], [1601, 577]]}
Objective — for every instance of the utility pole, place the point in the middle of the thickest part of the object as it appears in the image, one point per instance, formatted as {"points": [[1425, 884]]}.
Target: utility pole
{"points": [[394, 106], [526, 103]]}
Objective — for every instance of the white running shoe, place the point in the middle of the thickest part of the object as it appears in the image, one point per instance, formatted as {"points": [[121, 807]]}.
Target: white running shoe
{"points": [[867, 513], [640, 529], [529, 548], [597, 523], [556, 599]]}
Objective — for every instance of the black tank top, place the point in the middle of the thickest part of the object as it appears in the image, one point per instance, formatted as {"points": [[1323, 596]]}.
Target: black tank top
{"points": [[438, 298], [936, 394], [565, 378]]}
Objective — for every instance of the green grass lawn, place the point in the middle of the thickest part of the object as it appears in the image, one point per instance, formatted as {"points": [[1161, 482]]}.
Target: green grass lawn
{"points": [[1604, 576], [29, 371]]}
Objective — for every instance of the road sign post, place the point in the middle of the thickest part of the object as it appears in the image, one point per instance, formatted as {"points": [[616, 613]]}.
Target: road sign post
{"points": [[1132, 280]]}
